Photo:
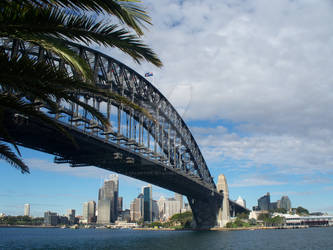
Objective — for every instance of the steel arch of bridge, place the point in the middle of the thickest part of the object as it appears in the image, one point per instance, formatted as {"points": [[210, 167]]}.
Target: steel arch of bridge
{"points": [[168, 141]]}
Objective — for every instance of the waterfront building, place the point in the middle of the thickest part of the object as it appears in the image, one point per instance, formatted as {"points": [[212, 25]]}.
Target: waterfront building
{"points": [[89, 211], [63, 220], [240, 201], [124, 215], [285, 203], [264, 202], [108, 201], [71, 216], [311, 221], [50, 219], [155, 210], [255, 213], [147, 203], [85, 213], [136, 208], [27, 209], [168, 207], [120, 204]]}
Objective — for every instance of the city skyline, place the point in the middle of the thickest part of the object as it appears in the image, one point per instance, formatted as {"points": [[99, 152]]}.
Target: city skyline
{"points": [[259, 105]]}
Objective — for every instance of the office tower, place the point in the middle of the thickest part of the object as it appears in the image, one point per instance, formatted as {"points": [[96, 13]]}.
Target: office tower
{"points": [[108, 201], [264, 202], [71, 216], [273, 206], [91, 211], [120, 204], [168, 207], [85, 212], [136, 208], [155, 212], [179, 198], [147, 203], [285, 203], [241, 201], [50, 219], [27, 209]]}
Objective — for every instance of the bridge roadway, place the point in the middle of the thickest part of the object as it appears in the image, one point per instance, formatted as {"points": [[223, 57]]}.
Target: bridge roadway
{"points": [[163, 153], [92, 150]]}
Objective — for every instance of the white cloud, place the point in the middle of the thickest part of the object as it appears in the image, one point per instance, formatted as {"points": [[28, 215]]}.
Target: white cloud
{"points": [[264, 65], [254, 181]]}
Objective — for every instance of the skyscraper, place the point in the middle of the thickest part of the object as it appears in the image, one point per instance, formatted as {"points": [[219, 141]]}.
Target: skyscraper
{"points": [[27, 209], [120, 204], [136, 208], [285, 203], [71, 216], [85, 213], [264, 202], [89, 211], [147, 203], [108, 201], [179, 198]]}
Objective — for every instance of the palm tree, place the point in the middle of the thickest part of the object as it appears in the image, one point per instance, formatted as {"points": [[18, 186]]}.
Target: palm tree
{"points": [[25, 84]]}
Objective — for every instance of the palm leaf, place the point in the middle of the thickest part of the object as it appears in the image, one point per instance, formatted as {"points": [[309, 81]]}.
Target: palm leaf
{"points": [[128, 12], [7, 154], [44, 25]]}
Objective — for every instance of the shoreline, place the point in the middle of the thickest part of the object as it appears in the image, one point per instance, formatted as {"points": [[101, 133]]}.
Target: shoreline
{"points": [[174, 229], [26, 226]]}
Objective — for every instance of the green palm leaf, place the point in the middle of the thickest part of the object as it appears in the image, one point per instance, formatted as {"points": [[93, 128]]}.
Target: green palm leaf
{"points": [[127, 11], [7, 154]]}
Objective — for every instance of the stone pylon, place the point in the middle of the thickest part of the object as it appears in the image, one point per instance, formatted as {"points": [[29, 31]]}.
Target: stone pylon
{"points": [[223, 216]]}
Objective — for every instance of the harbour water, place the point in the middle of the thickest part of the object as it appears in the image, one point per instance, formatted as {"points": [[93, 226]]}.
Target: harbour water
{"points": [[57, 238]]}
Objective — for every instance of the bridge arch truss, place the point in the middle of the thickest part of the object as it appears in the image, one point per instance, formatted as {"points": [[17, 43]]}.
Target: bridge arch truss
{"points": [[168, 141]]}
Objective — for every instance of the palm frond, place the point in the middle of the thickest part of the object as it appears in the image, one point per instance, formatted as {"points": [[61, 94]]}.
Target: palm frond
{"points": [[129, 12], [44, 25], [8, 155]]}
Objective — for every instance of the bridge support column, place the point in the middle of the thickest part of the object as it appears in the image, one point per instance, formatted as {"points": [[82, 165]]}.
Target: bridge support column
{"points": [[204, 212], [223, 216]]}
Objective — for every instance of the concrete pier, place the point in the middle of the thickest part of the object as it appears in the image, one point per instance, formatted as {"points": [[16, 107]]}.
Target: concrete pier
{"points": [[223, 216]]}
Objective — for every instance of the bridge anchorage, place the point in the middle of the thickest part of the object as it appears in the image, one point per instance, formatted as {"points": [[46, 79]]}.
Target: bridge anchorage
{"points": [[163, 153]]}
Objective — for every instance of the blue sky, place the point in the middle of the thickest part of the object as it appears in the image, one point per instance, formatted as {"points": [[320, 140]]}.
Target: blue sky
{"points": [[253, 81]]}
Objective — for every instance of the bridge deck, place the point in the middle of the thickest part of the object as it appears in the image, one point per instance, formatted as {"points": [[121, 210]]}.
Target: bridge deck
{"points": [[94, 151]]}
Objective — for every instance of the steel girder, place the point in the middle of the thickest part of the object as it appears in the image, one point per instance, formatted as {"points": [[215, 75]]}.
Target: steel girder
{"points": [[168, 139]]}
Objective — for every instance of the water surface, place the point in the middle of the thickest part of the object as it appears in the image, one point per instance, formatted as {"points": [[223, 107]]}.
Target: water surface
{"points": [[57, 238]]}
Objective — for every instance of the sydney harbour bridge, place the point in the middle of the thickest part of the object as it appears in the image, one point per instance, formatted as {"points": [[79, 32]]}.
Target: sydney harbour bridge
{"points": [[157, 148]]}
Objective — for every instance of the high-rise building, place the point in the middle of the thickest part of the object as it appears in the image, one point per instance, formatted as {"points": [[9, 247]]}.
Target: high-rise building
{"points": [[179, 198], [155, 212], [120, 204], [50, 219], [85, 212], [168, 207], [71, 216], [285, 203], [27, 209], [108, 201], [89, 211], [147, 203], [136, 208], [264, 202]]}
